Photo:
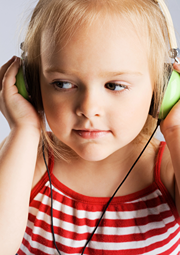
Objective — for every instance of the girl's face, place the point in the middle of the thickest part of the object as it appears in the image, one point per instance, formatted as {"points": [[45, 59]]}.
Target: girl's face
{"points": [[97, 89]]}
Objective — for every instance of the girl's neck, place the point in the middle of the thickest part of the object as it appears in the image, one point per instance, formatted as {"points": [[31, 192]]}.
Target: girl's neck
{"points": [[101, 178]]}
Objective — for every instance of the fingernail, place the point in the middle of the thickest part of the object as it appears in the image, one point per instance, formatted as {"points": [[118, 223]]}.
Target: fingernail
{"points": [[177, 61], [16, 59]]}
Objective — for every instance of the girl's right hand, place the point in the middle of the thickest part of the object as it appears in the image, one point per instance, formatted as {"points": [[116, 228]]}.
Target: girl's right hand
{"points": [[17, 110]]}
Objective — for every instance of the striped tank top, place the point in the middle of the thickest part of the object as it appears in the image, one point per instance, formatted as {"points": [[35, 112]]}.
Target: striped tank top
{"points": [[145, 222]]}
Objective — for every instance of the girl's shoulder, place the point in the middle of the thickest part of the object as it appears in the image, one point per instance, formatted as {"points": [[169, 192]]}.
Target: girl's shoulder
{"points": [[40, 169]]}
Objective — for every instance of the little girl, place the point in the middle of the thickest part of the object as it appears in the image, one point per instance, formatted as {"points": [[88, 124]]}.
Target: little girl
{"points": [[95, 70]]}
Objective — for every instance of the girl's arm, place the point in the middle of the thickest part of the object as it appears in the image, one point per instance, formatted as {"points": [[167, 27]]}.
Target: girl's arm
{"points": [[18, 154], [170, 128]]}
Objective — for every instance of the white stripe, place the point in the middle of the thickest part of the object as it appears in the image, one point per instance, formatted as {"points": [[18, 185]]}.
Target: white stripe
{"points": [[136, 244], [25, 250], [110, 230], [176, 251], [81, 214], [105, 246], [58, 191], [152, 195], [35, 245], [50, 251], [166, 246]]}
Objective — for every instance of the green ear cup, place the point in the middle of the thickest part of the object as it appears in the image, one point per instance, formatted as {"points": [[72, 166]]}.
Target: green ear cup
{"points": [[20, 83], [172, 95]]}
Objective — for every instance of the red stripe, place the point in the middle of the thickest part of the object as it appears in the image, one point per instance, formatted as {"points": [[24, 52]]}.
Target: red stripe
{"points": [[105, 222], [140, 222], [171, 249], [35, 250], [71, 250], [160, 244], [29, 231], [60, 198], [103, 237], [20, 252]]}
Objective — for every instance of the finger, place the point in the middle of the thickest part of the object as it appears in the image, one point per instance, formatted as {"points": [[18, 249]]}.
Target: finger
{"points": [[176, 66], [4, 68], [9, 78]]}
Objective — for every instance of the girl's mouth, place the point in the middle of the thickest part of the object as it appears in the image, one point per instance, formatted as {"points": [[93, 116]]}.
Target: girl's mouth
{"points": [[92, 134]]}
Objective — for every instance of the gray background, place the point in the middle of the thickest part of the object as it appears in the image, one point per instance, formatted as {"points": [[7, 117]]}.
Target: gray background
{"points": [[13, 17]]}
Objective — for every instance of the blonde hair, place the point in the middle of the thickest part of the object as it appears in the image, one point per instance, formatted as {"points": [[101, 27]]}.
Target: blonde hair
{"points": [[62, 18]]}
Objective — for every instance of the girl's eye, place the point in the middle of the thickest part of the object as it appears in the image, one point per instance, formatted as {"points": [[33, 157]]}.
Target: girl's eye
{"points": [[63, 85], [115, 86]]}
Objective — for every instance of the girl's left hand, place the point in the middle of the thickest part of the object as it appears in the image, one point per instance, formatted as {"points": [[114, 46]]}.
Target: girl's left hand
{"points": [[171, 124]]}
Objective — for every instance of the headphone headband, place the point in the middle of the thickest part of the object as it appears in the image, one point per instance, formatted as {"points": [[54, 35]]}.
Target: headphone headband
{"points": [[170, 26], [174, 51]]}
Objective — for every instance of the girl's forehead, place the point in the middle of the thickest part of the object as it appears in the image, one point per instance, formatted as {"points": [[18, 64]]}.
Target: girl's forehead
{"points": [[98, 52], [102, 35]]}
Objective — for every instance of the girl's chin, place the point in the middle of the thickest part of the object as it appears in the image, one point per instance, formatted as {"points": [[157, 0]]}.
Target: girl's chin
{"points": [[87, 153], [93, 155]]}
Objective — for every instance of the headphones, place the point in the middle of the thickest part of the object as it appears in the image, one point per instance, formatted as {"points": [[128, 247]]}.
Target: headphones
{"points": [[172, 93]]}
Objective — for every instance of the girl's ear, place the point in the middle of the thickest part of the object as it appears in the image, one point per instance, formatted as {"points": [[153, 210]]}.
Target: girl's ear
{"points": [[33, 85], [151, 109]]}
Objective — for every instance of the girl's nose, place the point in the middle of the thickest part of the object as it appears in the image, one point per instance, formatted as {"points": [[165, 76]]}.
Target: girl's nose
{"points": [[89, 105]]}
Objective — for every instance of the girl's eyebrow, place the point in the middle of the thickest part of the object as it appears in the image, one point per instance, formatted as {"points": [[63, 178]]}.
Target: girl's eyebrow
{"points": [[102, 74]]}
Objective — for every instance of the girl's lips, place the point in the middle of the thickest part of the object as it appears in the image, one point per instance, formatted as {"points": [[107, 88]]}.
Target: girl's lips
{"points": [[91, 134]]}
